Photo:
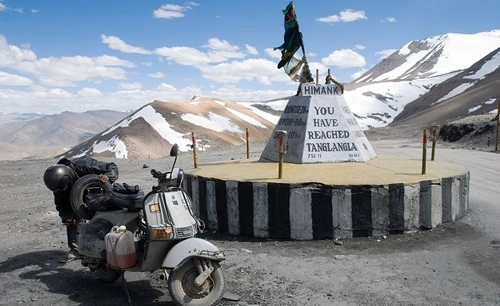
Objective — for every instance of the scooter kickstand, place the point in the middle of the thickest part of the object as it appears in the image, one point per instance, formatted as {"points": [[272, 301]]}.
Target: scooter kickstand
{"points": [[124, 284]]}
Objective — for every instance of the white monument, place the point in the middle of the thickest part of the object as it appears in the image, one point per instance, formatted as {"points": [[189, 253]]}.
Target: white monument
{"points": [[319, 128]]}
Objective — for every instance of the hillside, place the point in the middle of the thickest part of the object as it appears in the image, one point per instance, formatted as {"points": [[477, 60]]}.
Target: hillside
{"points": [[473, 91], [152, 130], [429, 69], [27, 136]]}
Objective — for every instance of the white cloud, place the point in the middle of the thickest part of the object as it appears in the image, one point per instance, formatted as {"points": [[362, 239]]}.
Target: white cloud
{"points": [[221, 50], [165, 86], [58, 93], [260, 70], [385, 53], [359, 47], [11, 56], [170, 11], [8, 79], [89, 92], [218, 51], [116, 43], [391, 19], [65, 71], [157, 75], [273, 53], [251, 50], [347, 15], [183, 55], [344, 58], [6, 8], [131, 86]]}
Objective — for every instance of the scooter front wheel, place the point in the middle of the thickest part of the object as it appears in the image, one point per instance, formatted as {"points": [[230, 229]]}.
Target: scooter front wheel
{"points": [[184, 291]]}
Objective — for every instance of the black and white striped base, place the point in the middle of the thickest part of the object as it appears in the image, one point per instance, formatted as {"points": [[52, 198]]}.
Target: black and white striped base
{"points": [[315, 211]]}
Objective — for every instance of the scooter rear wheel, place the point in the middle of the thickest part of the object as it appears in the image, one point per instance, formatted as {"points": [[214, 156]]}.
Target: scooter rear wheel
{"points": [[183, 290], [108, 275]]}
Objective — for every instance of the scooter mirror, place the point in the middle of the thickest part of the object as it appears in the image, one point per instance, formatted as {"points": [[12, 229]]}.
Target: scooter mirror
{"points": [[174, 150]]}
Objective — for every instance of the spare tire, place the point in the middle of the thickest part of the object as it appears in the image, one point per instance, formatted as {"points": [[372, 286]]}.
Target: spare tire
{"points": [[79, 193]]}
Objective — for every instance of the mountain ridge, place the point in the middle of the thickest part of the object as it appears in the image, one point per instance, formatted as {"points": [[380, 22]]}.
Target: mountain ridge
{"points": [[418, 84]]}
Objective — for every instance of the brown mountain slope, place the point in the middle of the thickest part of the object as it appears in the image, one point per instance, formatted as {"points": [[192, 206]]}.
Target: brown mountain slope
{"points": [[152, 130]]}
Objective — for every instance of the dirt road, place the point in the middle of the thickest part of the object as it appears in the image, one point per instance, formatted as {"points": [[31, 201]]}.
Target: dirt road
{"points": [[455, 264]]}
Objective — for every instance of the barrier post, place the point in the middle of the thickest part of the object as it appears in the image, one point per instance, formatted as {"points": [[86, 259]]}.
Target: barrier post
{"points": [[424, 151], [498, 122], [281, 137], [434, 137], [193, 146], [248, 144]]}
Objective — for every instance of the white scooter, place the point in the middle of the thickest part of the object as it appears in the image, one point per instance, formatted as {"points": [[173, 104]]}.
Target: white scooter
{"points": [[153, 232]]}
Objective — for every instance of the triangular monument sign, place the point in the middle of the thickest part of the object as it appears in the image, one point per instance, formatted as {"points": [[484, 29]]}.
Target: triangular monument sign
{"points": [[319, 128]]}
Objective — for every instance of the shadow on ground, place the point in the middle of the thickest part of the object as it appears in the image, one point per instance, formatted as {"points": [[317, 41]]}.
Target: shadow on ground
{"points": [[81, 286]]}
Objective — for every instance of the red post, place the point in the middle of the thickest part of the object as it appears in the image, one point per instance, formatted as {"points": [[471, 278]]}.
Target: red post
{"points": [[281, 137]]}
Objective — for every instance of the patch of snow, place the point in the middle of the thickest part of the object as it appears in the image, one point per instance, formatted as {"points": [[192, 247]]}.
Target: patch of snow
{"points": [[114, 145], [397, 95], [405, 50], [410, 61], [475, 108], [246, 118], [458, 90], [490, 101], [214, 122], [157, 122], [266, 116], [487, 68], [460, 51]]}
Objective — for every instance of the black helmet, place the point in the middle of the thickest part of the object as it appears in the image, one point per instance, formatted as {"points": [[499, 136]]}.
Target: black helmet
{"points": [[59, 177]]}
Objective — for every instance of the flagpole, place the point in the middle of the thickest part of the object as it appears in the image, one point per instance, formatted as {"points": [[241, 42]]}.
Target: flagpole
{"points": [[309, 77]]}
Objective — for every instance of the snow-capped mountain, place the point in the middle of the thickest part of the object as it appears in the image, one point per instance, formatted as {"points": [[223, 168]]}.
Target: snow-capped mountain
{"points": [[153, 129], [382, 93], [425, 82], [474, 91]]}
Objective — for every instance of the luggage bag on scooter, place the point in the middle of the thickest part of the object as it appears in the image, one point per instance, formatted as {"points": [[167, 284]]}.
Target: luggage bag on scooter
{"points": [[126, 196], [91, 238], [118, 197]]}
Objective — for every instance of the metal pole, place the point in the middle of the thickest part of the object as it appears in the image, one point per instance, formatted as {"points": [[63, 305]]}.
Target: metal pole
{"points": [[317, 76], [434, 132], [195, 157], [248, 144], [498, 122], [280, 156], [424, 151]]}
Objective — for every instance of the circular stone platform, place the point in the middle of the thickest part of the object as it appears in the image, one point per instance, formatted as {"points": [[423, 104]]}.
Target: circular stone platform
{"points": [[385, 195]]}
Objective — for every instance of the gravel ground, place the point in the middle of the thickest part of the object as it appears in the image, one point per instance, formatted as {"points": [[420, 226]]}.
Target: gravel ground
{"points": [[454, 264]]}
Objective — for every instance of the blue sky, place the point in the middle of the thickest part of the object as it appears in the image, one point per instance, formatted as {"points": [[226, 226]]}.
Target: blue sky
{"points": [[60, 55]]}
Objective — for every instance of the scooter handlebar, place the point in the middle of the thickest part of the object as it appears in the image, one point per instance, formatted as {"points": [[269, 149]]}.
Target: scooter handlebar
{"points": [[157, 174]]}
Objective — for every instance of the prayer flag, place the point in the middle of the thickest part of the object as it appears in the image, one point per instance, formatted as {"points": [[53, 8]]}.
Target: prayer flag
{"points": [[292, 37]]}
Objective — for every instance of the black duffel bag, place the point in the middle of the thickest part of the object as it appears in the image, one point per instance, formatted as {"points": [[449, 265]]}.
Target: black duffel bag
{"points": [[126, 196], [99, 201]]}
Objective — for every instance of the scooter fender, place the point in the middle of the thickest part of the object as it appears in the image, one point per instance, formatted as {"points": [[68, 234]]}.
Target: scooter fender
{"points": [[192, 247]]}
